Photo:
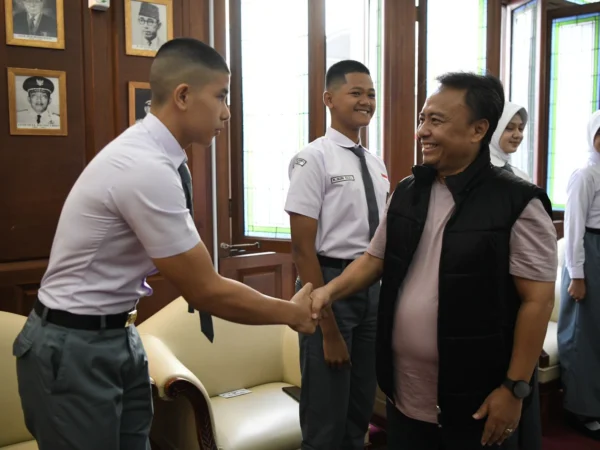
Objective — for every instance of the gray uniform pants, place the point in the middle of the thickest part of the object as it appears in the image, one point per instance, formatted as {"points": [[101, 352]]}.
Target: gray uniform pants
{"points": [[83, 389], [336, 405]]}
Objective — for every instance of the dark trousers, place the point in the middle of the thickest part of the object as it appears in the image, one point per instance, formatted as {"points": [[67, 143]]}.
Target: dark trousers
{"points": [[404, 433], [83, 389], [336, 405]]}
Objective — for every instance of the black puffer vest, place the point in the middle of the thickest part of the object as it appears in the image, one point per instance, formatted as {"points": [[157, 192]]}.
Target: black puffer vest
{"points": [[478, 301]]}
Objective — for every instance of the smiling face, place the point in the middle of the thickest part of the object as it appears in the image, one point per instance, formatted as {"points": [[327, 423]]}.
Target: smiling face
{"points": [[352, 104], [512, 136], [450, 139]]}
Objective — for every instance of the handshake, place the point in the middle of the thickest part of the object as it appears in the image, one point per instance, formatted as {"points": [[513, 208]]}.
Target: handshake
{"points": [[310, 305]]}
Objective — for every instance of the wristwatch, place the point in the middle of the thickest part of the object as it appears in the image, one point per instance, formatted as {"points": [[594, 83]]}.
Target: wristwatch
{"points": [[520, 389]]}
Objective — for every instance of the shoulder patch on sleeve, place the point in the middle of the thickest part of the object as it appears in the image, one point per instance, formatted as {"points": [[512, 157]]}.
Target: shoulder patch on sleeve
{"points": [[299, 162]]}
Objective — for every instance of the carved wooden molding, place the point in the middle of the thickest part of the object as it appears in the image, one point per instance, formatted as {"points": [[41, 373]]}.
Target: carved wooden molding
{"points": [[180, 387]]}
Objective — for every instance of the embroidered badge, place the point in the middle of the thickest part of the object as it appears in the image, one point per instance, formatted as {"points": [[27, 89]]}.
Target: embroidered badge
{"points": [[342, 178], [300, 162]]}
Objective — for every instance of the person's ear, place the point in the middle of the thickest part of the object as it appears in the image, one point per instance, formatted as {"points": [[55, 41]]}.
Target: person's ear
{"points": [[480, 128], [328, 99], [181, 96]]}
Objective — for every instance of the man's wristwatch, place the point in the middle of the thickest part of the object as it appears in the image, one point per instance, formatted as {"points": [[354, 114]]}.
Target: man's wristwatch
{"points": [[520, 389]]}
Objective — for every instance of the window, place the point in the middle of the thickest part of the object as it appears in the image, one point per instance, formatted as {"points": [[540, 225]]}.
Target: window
{"points": [[522, 78], [275, 107], [354, 30], [275, 89], [574, 95], [456, 38]]}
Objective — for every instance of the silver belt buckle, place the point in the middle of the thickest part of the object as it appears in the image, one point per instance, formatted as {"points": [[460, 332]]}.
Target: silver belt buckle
{"points": [[131, 317]]}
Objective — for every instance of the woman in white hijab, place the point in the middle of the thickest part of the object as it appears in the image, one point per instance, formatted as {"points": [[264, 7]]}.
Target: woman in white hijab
{"points": [[507, 138], [579, 319]]}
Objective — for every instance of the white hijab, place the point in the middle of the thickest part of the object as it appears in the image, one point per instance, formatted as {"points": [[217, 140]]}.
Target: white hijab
{"points": [[499, 158], [593, 127]]}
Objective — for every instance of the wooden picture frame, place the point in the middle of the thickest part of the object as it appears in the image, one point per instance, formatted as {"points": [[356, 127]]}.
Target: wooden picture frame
{"points": [[139, 95], [49, 30], [138, 31], [33, 95]]}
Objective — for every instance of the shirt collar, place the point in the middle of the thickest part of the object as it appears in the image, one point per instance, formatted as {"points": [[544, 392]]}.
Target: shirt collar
{"points": [[161, 134], [338, 138]]}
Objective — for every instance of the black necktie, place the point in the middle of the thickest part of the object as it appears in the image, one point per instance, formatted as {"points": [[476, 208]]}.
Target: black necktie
{"points": [[206, 324], [508, 168], [369, 190]]}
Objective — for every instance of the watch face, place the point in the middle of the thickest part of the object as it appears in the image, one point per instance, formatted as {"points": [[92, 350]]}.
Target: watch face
{"points": [[521, 389]]}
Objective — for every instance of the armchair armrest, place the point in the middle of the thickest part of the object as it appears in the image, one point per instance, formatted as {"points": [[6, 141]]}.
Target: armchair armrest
{"points": [[171, 379]]}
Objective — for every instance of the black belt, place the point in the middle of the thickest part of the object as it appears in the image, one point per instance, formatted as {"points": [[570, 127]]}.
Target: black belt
{"points": [[334, 263], [85, 322], [592, 230]]}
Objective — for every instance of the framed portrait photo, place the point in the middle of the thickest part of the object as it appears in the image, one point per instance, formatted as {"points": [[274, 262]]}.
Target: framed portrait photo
{"points": [[140, 100], [37, 102], [35, 23], [148, 25]]}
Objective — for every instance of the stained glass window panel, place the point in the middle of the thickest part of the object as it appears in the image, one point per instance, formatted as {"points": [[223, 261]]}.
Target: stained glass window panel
{"points": [[574, 89], [522, 78], [456, 38], [274, 66]]}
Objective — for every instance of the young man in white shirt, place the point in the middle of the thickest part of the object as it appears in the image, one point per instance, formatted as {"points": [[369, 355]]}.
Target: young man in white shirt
{"points": [[337, 193]]}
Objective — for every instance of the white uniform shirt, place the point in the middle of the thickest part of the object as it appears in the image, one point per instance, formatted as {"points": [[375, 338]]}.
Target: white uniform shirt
{"points": [[582, 210], [127, 207], [326, 184]]}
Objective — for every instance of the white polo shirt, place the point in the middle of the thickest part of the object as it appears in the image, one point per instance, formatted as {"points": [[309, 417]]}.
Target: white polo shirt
{"points": [[127, 206], [326, 184]]}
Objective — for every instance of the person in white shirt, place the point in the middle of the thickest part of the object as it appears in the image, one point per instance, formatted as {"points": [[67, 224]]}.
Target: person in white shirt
{"points": [[337, 193], [81, 366], [507, 138], [579, 319]]}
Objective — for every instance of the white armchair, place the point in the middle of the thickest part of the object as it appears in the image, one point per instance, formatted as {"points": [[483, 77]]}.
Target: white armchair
{"points": [[13, 432], [189, 373]]}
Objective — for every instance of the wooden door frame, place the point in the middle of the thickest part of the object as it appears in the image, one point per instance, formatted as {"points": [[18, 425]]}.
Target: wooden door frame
{"points": [[544, 128]]}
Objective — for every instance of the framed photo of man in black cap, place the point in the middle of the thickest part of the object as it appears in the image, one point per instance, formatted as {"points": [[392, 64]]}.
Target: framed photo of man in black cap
{"points": [[37, 101], [148, 25], [35, 23], [140, 101]]}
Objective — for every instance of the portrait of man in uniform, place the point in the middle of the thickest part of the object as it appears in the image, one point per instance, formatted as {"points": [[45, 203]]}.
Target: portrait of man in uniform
{"points": [[140, 101], [148, 25], [37, 101], [35, 23]]}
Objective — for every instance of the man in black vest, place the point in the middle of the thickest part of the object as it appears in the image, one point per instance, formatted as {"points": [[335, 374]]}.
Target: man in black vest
{"points": [[467, 256]]}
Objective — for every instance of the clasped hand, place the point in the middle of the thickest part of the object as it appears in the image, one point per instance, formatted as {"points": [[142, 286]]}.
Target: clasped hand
{"points": [[311, 305]]}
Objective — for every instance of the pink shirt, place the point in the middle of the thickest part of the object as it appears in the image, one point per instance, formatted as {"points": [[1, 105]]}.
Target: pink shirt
{"points": [[532, 256]]}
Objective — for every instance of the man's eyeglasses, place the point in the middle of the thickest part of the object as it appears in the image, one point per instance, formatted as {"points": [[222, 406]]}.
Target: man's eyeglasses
{"points": [[148, 21]]}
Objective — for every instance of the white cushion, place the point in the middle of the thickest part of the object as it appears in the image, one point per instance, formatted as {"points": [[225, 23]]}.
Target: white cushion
{"points": [[243, 422], [12, 423], [29, 445]]}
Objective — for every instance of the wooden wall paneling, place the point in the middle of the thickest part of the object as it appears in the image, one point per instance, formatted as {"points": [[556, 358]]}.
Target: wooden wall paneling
{"points": [[98, 56], [399, 87], [37, 172]]}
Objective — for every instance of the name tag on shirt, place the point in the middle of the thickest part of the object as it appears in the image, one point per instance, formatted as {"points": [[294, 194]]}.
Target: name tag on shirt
{"points": [[342, 178], [235, 393]]}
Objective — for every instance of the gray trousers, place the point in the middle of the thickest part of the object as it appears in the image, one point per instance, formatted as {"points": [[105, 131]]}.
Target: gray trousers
{"points": [[83, 389], [336, 405]]}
